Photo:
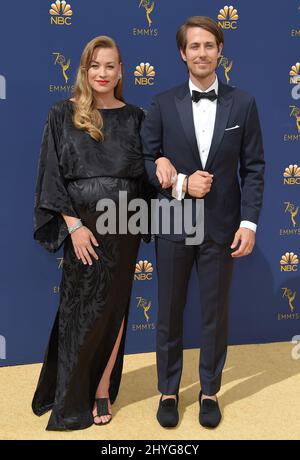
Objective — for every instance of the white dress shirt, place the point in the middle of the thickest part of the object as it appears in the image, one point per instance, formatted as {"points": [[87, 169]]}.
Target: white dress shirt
{"points": [[204, 114]]}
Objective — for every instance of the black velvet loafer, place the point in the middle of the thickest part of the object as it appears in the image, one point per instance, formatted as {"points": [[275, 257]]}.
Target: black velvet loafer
{"points": [[210, 414], [167, 413]]}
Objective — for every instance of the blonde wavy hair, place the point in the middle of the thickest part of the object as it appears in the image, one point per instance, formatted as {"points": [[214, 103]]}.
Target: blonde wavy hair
{"points": [[86, 116]]}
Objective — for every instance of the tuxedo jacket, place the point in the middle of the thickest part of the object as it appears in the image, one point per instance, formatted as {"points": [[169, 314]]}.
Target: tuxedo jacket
{"points": [[235, 158]]}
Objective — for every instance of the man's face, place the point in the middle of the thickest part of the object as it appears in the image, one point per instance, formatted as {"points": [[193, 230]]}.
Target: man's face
{"points": [[201, 53]]}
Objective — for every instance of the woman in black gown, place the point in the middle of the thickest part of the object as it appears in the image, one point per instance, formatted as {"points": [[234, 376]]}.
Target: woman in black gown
{"points": [[91, 150]]}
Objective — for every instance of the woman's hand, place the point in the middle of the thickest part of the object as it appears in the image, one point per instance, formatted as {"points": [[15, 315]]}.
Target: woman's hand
{"points": [[165, 172], [82, 240]]}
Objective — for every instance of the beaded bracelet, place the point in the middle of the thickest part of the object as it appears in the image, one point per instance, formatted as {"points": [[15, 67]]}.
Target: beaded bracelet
{"points": [[75, 226]]}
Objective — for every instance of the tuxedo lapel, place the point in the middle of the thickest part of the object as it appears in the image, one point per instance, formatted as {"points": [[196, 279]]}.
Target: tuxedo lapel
{"points": [[224, 105], [183, 103]]}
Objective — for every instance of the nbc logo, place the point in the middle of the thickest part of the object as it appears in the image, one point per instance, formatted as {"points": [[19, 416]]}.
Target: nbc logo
{"points": [[144, 74], [60, 13], [289, 262], [292, 175], [143, 271], [228, 17], [2, 87], [295, 74]]}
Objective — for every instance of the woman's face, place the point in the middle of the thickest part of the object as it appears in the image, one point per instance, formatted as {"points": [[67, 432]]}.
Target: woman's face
{"points": [[104, 71]]}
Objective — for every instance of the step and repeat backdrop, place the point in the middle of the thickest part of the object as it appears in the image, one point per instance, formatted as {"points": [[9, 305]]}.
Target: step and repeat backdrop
{"points": [[40, 46]]}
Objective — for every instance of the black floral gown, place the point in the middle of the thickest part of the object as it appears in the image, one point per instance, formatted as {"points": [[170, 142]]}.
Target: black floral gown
{"points": [[74, 172]]}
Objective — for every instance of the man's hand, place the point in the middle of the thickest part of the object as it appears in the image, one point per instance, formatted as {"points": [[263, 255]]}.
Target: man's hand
{"points": [[199, 184], [246, 237], [165, 172]]}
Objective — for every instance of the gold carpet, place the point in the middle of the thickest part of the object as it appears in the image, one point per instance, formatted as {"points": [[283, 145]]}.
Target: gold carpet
{"points": [[260, 399]]}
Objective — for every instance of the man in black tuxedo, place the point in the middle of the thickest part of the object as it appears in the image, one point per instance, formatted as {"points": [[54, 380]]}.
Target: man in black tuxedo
{"points": [[202, 141]]}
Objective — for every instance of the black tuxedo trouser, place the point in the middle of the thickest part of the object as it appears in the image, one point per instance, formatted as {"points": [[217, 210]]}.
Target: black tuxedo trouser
{"points": [[214, 266]]}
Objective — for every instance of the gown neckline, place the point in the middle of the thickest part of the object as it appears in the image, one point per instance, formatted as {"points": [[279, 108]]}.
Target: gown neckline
{"points": [[112, 108]]}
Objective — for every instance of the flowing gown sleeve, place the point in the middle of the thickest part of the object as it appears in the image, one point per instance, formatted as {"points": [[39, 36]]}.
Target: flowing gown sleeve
{"points": [[51, 196], [146, 190]]}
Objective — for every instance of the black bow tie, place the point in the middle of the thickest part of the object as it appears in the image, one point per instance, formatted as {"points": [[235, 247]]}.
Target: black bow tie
{"points": [[197, 95]]}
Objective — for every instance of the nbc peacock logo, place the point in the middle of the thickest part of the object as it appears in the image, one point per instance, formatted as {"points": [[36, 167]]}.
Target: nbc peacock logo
{"points": [[228, 17], [60, 13], [289, 262], [295, 74], [291, 175], [144, 74], [143, 271]]}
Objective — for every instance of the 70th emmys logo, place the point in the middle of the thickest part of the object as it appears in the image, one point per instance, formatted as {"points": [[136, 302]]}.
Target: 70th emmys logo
{"points": [[289, 262], [295, 112], [144, 74], [228, 17], [60, 13], [296, 32], [64, 66], [227, 65], [148, 7], [61, 61], [293, 210], [291, 175], [290, 296], [145, 305], [2, 87]]}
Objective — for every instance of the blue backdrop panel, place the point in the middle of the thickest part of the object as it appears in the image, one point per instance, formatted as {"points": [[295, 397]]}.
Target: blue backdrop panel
{"points": [[39, 55]]}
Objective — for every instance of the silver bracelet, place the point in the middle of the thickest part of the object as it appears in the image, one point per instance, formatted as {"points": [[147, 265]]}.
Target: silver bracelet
{"points": [[75, 226]]}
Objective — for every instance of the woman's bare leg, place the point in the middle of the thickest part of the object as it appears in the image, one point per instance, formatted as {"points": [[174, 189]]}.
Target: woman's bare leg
{"points": [[103, 387]]}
